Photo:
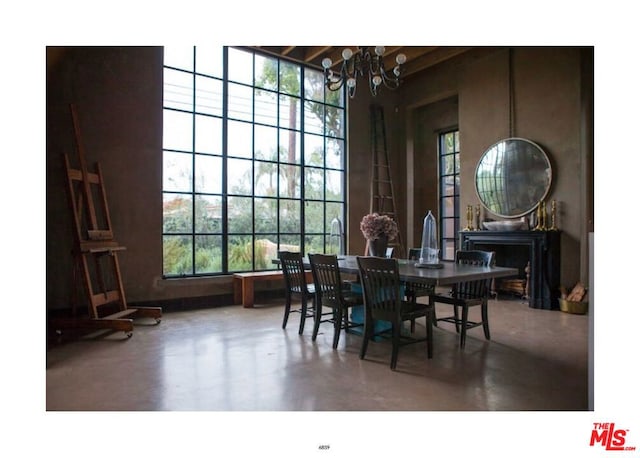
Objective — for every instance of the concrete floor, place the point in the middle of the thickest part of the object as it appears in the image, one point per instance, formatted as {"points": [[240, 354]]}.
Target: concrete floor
{"points": [[236, 359]]}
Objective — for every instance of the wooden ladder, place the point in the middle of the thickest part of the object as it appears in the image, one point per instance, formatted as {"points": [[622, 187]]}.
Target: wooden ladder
{"points": [[382, 197], [96, 253]]}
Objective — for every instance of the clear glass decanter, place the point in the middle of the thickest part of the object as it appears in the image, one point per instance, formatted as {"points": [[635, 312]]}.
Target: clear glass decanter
{"points": [[429, 252], [336, 244]]}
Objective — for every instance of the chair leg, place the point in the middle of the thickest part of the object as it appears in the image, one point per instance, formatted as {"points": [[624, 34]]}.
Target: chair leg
{"points": [[366, 336], [395, 344], [413, 299], [316, 323], [432, 305], [287, 309], [463, 325], [456, 316], [367, 333], [337, 326], [485, 321], [429, 321], [303, 315]]}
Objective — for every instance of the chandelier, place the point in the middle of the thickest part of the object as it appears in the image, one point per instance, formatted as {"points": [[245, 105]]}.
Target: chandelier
{"points": [[360, 63]]}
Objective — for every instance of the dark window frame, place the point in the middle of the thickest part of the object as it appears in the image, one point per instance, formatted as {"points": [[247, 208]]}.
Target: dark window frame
{"points": [[320, 237], [448, 179]]}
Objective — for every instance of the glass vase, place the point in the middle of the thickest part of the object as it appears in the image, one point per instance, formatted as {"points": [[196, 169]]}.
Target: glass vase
{"points": [[429, 251]]}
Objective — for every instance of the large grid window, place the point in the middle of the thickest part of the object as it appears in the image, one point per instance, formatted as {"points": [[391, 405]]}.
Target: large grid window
{"points": [[253, 160], [449, 166]]}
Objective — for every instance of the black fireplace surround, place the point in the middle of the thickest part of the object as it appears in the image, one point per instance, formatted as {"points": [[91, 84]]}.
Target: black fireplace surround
{"points": [[514, 249]]}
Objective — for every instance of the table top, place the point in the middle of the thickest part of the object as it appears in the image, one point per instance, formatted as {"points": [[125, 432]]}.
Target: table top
{"points": [[449, 274]]}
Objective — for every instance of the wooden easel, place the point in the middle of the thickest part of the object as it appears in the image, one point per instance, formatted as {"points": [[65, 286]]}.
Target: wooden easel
{"points": [[96, 253]]}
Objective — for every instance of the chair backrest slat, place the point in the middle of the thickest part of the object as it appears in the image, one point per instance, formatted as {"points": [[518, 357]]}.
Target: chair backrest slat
{"points": [[380, 281], [478, 288], [414, 254], [293, 270], [326, 278]]}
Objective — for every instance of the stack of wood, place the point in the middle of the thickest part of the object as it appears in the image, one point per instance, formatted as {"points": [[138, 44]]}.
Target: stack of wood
{"points": [[578, 293], [516, 285]]}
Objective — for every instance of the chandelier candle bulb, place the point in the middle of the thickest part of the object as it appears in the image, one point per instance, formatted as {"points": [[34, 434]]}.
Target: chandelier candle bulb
{"points": [[363, 63]]}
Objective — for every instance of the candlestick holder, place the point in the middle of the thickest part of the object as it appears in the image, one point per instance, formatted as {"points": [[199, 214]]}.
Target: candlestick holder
{"points": [[553, 227], [469, 218], [541, 214]]}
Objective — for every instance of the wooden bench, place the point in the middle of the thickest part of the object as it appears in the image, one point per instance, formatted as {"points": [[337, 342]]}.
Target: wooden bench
{"points": [[243, 290]]}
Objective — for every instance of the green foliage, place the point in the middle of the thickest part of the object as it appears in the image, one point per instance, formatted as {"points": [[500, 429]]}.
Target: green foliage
{"points": [[207, 260], [240, 256], [176, 256]]}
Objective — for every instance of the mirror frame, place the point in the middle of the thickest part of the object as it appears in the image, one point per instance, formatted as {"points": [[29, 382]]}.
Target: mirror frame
{"points": [[548, 173]]}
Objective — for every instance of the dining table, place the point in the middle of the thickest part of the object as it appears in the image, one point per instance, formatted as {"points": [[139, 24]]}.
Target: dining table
{"points": [[448, 272], [445, 274]]}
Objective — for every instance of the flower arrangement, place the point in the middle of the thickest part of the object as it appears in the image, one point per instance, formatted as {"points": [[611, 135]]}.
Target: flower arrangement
{"points": [[375, 226]]}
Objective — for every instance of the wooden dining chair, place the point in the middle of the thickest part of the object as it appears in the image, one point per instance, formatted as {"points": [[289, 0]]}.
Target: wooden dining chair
{"points": [[468, 294], [296, 286], [384, 300], [331, 293]]}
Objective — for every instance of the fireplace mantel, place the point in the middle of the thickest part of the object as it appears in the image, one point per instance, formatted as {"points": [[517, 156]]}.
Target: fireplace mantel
{"points": [[542, 250]]}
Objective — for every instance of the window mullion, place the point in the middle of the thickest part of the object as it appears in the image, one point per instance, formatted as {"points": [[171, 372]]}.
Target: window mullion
{"points": [[225, 161], [193, 167]]}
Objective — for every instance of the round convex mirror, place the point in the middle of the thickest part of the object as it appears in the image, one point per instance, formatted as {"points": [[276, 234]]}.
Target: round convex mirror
{"points": [[512, 176]]}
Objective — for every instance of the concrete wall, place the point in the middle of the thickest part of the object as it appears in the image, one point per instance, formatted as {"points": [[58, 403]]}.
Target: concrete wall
{"points": [[553, 101], [118, 94]]}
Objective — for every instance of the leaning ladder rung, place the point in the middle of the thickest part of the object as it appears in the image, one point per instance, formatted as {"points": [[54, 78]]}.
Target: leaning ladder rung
{"points": [[381, 181]]}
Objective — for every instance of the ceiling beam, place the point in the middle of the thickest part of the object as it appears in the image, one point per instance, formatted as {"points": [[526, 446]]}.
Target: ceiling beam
{"points": [[418, 57], [314, 52], [287, 49], [438, 55]]}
